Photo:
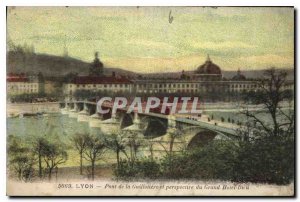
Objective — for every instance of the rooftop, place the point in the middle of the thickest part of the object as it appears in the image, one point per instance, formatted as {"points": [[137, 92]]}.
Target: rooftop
{"points": [[101, 80]]}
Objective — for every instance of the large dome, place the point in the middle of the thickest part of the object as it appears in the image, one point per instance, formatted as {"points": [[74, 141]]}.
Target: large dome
{"points": [[208, 68]]}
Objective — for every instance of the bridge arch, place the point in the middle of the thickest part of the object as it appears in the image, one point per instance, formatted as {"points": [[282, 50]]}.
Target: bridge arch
{"points": [[156, 127], [195, 136], [126, 120], [201, 138]]}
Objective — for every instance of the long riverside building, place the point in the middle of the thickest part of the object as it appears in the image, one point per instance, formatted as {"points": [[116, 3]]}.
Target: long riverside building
{"points": [[206, 78]]}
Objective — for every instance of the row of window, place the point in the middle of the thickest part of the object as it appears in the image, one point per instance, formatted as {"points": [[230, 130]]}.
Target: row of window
{"points": [[168, 91], [243, 86], [100, 85], [23, 85], [143, 86], [179, 90], [13, 90], [17, 88]]}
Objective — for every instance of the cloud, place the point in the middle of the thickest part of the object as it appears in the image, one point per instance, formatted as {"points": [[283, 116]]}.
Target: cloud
{"points": [[151, 44], [223, 45], [142, 39], [269, 60], [191, 62]]}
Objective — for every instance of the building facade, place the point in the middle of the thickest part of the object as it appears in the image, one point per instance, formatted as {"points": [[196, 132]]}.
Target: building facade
{"points": [[207, 78], [17, 84], [97, 84]]}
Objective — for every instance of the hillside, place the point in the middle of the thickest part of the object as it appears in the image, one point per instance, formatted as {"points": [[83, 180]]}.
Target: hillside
{"points": [[50, 65]]}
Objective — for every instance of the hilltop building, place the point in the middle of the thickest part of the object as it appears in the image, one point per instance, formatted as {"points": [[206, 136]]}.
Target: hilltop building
{"points": [[96, 68]]}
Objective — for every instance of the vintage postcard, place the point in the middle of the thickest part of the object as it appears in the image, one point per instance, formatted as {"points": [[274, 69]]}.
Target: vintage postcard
{"points": [[150, 101]]}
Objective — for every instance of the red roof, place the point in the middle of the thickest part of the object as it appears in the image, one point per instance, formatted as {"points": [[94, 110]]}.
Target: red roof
{"points": [[16, 75], [11, 77], [17, 79], [101, 80]]}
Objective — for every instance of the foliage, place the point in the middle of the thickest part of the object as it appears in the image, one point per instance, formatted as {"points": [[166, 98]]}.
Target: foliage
{"points": [[141, 169], [221, 160], [94, 151], [54, 154], [213, 161], [117, 143], [21, 160], [271, 95], [34, 97], [39, 143], [266, 160]]}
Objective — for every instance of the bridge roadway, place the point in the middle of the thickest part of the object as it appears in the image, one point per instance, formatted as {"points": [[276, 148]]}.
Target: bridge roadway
{"points": [[204, 125]]}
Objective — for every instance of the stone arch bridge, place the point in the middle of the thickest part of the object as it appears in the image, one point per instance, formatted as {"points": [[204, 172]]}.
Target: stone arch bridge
{"points": [[158, 131]]}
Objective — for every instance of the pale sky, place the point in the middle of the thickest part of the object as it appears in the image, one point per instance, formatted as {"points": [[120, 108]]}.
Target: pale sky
{"points": [[141, 39]]}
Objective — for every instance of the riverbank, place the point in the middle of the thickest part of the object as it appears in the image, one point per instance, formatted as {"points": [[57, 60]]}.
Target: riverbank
{"points": [[16, 109]]}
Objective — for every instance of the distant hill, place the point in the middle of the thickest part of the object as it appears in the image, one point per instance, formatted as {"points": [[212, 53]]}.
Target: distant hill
{"points": [[50, 65]]}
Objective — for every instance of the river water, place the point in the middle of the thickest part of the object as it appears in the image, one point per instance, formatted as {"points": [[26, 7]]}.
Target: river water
{"points": [[56, 125], [64, 126]]}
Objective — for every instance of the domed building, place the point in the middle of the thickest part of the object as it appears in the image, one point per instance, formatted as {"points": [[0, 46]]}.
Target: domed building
{"points": [[238, 76], [208, 71]]}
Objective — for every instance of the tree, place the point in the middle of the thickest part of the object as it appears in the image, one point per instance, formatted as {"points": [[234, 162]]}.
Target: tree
{"points": [[54, 154], [69, 77], [116, 142], [41, 77], [80, 144], [268, 134], [214, 160], [20, 158], [175, 133], [94, 151], [271, 94], [39, 143], [134, 141], [134, 145]]}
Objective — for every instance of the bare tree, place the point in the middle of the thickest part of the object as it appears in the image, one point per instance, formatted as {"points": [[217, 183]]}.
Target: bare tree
{"points": [[80, 144], [150, 144], [174, 134], [54, 154], [134, 142], [271, 94], [94, 151], [116, 142], [39, 144]]}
